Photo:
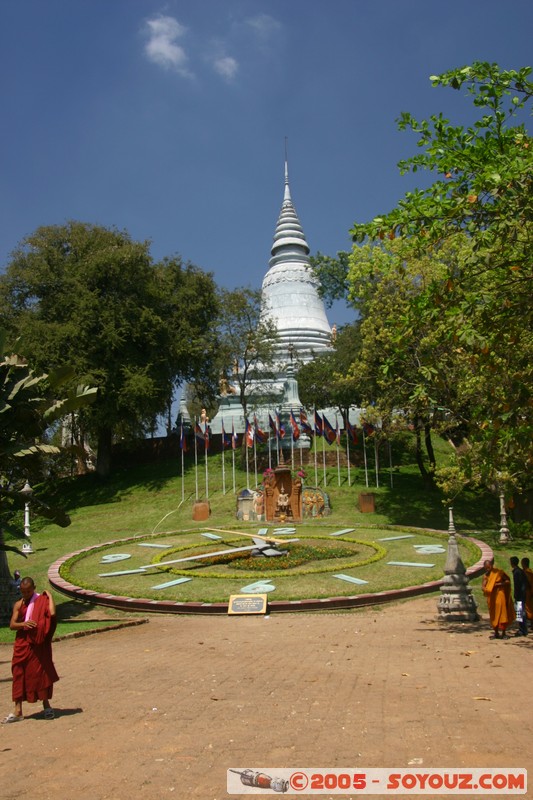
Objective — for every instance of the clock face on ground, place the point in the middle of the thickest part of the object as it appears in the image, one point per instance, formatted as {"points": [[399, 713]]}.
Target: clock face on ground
{"points": [[209, 564]]}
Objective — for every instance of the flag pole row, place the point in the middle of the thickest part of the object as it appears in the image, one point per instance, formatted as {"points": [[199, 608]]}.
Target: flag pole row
{"points": [[254, 435]]}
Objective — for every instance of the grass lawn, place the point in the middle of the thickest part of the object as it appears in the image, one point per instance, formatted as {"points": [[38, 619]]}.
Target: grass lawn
{"points": [[144, 499]]}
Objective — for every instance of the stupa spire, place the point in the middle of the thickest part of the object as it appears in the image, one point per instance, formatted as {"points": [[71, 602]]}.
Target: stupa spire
{"points": [[290, 287], [287, 194]]}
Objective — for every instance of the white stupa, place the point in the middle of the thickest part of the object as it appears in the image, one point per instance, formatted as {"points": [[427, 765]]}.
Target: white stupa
{"points": [[291, 300], [290, 290]]}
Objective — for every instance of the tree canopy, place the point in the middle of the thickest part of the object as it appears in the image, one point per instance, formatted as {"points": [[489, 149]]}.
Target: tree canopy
{"points": [[92, 297], [30, 404], [248, 345], [462, 266]]}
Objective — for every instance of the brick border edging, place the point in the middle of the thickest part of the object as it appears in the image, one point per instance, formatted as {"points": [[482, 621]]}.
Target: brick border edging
{"points": [[78, 634], [145, 605]]}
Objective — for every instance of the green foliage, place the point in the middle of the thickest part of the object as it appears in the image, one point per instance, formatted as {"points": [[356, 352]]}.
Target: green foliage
{"points": [[457, 260], [248, 345], [333, 276], [29, 405], [484, 183], [521, 530], [91, 297], [327, 380]]}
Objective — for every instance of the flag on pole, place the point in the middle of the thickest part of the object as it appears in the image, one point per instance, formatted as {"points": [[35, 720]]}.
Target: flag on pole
{"points": [[226, 437], [234, 437], [351, 432], [368, 428], [183, 440], [249, 434], [206, 437], [272, 426], [319, 425], [304, 423], [294, 426], [198, 432], [279, 426], [260, 435], [337, 432], [328, 431]]}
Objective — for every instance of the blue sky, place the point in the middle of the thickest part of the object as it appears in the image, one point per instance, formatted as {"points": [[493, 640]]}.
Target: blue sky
{"points": [[168, 119]]}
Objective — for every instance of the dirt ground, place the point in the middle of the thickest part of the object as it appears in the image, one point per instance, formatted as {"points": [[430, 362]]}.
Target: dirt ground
{"points": [[163, 709]]}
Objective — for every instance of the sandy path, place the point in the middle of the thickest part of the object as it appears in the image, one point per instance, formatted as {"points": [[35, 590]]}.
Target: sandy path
{"points": [[163, 709]]}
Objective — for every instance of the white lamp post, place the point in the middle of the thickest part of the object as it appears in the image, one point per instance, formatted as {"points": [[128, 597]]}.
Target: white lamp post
{"points": [[27, 493], [504, 530]]}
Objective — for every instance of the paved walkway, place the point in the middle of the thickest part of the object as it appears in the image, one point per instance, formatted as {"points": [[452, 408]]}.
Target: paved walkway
{"points": [[163, 709]]}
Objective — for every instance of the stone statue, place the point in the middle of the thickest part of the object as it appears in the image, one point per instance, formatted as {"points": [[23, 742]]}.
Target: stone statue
{"points": [[223, 386], [282, 504], [259, 505]]}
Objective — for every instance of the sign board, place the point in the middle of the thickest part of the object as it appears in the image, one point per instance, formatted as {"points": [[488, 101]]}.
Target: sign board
{"points": [[247, 604]]}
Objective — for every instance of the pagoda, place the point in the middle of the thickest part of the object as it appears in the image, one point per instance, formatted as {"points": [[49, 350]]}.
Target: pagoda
{"points": [[290, 291], [292, 302]]}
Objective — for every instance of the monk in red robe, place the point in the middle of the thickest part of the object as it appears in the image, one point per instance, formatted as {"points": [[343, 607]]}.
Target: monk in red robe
{"points": [[34, 674], [496, 587]]}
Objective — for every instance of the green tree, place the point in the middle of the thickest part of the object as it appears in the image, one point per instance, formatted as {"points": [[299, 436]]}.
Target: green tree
{"points": [[30, 405], [92, 297], [328, 380], [477, 305], [248, 346]]}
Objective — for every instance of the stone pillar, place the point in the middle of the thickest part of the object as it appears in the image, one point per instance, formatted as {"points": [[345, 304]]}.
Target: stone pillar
{"points": [[456, 602]]}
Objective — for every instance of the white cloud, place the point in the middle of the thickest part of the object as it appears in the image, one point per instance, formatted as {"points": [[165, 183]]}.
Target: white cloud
{"points": [[264, 25], [161, 47], [226, 67]]}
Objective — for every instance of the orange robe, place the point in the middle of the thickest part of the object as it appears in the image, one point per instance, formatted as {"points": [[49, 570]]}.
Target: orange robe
{"points": [[497, 590], [529, 593], [32, 667]]}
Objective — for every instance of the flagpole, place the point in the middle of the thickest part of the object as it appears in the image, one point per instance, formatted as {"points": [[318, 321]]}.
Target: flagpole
{"points": [[348, 448], [195, 458], [255, 452], [376, 460], [364, 457], [314, 449], [337, 437], [223, 459], [292, 443], [246, 448], [233, 443], [324, 458], [269, 451], [206, 448], [182, 442]]}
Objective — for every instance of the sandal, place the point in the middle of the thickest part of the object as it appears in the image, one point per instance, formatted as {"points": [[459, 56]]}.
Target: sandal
{"points": [[12, 718], [49, 713]]}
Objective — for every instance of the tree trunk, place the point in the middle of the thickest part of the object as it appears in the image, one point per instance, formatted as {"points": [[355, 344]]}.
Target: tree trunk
{"points": [[429, 447], [103, 458], [427, 477]]}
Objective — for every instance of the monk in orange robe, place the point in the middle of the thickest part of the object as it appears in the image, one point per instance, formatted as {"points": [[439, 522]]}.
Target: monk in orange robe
{"points": [[34, 674], [529, 591], [497, 590]]}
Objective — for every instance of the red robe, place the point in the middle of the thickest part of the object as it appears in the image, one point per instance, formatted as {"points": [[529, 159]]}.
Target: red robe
{"points": [[32, 667]]}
